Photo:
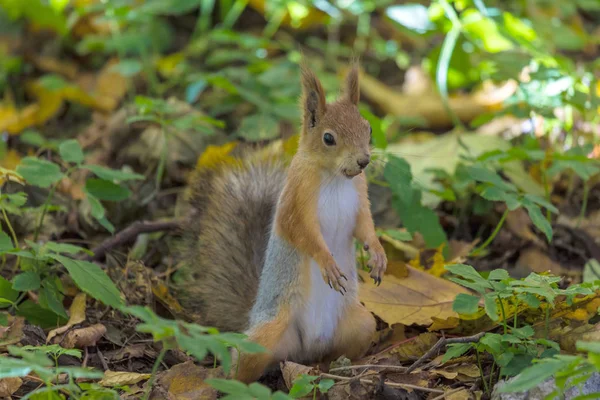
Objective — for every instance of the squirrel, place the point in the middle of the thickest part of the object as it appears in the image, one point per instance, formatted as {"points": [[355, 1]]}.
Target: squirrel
{"points": [[270, 249]]}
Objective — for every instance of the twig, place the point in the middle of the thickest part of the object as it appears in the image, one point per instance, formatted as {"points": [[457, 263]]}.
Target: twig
{"points": [[130, 233], [390, 384], [352, 367], [101, 358], [443, 342]]}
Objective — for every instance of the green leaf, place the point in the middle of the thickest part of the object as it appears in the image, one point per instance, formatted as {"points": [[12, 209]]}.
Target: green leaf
{"points": [[325, 384], [5, 242], [127, 67], [65, 248], [36, 315], [494, 193], [465, 304], [397, 173], [106, 190], [259, 127], [259, 391], [539, 200], [3, 319], [228, 386], [456, 350], [92, 280], [25, 281], [491, 308], [493, 342], [498, 275], [540, 221], [487, 175], [112, 174], [51, 299], [7, 292], [71, 151], [38, 172], [533, 376], [414, 17]]}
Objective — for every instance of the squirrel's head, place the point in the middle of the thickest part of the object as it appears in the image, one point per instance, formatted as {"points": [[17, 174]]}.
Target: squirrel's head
{"points": [[335, 135]]}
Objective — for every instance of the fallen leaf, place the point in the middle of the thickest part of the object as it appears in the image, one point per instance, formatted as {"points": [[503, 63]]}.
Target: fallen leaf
{"points": [[120, 378], [215, 155], [84, 337], [412, 300], [12, 333], [416, 347], [537, 260], [160, 290], [292, 370], [446, 151], [8, 386], [10, 160], [519, 223], [185, 381], [76, 316], [428, 104]]}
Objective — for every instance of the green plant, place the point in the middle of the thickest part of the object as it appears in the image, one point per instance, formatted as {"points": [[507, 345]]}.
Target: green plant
{"points": [[25, 360], [516, 348], [568, 371], [235, 390], [305, 384]]}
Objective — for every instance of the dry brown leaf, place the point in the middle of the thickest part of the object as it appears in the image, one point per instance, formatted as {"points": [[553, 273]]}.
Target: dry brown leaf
{"points": [[412, 300], [76, 316], [462, 394], [8, 386], [519, 223], [415, 348], [185, 381], [537, 260], [568, 337], [12, 333], [428, 105], [53, 65], [84, 337], [120, 378], [292, 370]]}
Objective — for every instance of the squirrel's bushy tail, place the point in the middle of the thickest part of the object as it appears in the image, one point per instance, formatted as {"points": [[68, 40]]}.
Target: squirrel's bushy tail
{"points": [[231, 211]]}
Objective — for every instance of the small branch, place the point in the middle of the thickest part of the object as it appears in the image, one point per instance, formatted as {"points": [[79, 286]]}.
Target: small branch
{"points": [[441, 343], [390, 384], [353, 367], [130, 233], [451, 392]]}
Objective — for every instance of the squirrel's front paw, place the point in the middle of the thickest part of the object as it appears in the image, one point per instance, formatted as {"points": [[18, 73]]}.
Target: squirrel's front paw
{"points": [[334, 276], [377, 261]]}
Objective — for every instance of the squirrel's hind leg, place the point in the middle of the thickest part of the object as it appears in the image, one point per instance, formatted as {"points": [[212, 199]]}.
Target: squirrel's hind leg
{"points": [[354, 333], [269, 335]]}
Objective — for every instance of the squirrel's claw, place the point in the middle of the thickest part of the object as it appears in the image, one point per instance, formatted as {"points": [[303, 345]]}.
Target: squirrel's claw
{"points": [[377, 263]]}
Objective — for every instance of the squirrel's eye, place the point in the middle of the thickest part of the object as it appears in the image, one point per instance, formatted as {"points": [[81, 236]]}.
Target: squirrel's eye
{"points": [[328, 139]]}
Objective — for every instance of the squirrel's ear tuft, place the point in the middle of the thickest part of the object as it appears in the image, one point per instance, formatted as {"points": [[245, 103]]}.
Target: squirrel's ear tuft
{"points": [[313, 97], [352, 89]]}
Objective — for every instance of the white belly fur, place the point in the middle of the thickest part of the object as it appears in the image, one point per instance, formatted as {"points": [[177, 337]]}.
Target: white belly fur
{"points": [[338, 209]]}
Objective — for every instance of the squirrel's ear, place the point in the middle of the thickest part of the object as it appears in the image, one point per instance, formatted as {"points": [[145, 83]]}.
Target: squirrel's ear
{"points": [[352, 89], [313, 97]]}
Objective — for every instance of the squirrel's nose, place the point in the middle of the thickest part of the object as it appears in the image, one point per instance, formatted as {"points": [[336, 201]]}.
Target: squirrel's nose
{"points": [[362, 163]]}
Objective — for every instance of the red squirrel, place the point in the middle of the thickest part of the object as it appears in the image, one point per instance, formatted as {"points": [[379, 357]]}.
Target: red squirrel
{"points": [[271, 249]]}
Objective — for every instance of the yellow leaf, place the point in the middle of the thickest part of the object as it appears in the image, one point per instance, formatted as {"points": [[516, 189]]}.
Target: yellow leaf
{"points": [[413, 300], [120, 378], [162, 293], [167, 66], [76, 316], [297, 15], [10, 175], [416, 347], [216, 155]]}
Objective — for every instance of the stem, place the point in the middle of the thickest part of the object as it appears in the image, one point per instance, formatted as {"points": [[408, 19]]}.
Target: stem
{"points": [[154, 370], [12, 233], [485, 384], [44, 210], [492, 236], [547, 322], [504, 322], [586, 191], [492, 374], [315, 392], [516, 312]]}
